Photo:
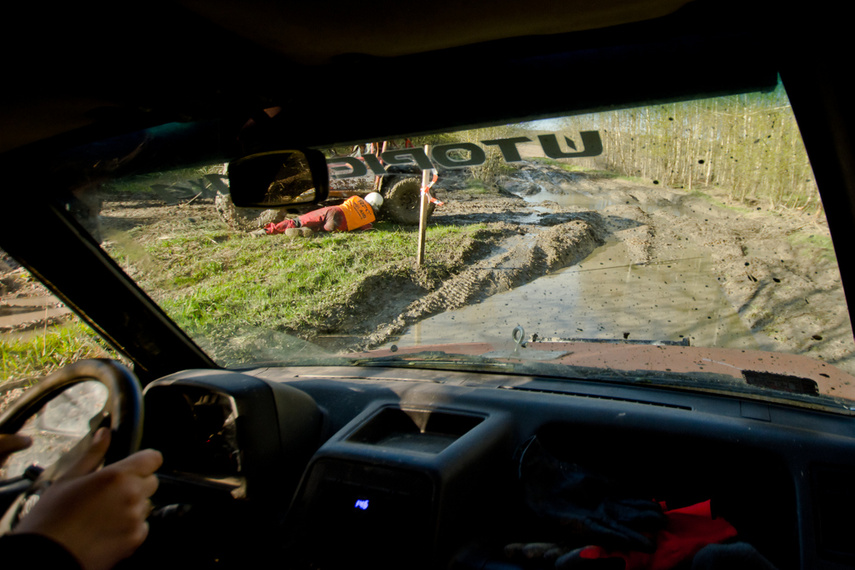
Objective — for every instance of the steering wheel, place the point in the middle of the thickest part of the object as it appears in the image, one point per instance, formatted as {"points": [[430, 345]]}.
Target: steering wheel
{"points": [[122, 413]]}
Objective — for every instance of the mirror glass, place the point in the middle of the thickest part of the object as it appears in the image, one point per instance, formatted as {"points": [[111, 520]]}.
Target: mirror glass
{"points": [[57, 427], [275, 179]]}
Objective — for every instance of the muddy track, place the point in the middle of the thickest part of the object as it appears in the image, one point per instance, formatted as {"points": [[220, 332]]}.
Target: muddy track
{"points": [[522, 259], [783, 292]]}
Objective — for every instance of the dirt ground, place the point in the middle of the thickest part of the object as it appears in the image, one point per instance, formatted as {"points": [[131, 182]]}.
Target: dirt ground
{"points": [[781, 284], [25, 305], [782, 287]]}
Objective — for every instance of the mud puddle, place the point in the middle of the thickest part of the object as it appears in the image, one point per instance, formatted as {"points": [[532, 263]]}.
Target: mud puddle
{"points": [[688, 304], [571, 198], [520, 260], [578, 192]]}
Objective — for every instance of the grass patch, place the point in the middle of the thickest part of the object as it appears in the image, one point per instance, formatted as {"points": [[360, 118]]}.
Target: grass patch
{"points": [[219, 290], [40, 354], [714, 201], [158, 184], [813, 245], [475, 187]]}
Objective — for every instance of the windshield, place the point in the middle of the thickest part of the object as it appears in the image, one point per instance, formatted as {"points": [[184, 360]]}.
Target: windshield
{"points": [[685, 239]]}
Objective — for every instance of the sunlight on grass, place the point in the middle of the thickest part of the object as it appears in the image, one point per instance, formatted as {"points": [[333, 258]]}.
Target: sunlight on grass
{"points": [[38, 354], [219, 287]]}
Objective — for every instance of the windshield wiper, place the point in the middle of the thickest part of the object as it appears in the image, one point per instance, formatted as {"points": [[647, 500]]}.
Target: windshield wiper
{"points": [[436, 359], [562, 373]]}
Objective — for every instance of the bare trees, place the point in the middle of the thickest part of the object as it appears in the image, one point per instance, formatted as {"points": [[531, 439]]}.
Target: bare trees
{"points": [[748, 145]]}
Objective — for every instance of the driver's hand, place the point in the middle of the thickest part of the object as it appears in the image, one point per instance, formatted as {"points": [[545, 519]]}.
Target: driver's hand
{"points": [[99, 515], [10, 443]]}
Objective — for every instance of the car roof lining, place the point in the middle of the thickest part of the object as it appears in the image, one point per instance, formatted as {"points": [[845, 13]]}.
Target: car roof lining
{"points": [[178, 60], [316, 33]]}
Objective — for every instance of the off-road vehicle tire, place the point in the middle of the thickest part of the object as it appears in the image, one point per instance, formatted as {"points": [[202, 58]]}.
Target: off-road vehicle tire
{"points": [[401, 202]]}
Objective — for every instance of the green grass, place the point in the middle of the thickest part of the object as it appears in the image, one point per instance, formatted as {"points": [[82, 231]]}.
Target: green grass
{"points": [[476, 188], [276, 280], [813, 245], [150, 185], [38, 354], [218, 289], [233, 293]]}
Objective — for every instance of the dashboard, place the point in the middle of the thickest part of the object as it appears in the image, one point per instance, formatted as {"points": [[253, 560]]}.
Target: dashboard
{"points": [[328, 467]]}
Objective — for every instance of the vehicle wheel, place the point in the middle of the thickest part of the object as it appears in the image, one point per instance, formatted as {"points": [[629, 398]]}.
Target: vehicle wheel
{"points": [[246, 219], [401, 202], [122, 413]]}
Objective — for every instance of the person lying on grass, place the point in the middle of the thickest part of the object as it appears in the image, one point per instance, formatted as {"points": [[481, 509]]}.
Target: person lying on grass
{"points": [[354, 214]]}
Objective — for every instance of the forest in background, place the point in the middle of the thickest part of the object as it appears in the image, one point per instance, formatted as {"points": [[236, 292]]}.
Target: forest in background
{"points": [[747, 145]]}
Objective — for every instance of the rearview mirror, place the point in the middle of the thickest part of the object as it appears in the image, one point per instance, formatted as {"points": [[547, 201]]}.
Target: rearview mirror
{"points": [[279, 178]]}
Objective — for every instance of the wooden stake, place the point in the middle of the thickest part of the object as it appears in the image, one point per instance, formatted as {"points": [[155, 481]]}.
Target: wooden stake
{"points": [[423, 203]]}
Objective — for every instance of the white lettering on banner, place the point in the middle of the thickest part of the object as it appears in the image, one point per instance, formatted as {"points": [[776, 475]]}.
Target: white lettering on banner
{"points": [[462, 155]]}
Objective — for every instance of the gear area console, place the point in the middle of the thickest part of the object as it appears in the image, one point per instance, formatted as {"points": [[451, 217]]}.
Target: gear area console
{"points": [[397, 487]]}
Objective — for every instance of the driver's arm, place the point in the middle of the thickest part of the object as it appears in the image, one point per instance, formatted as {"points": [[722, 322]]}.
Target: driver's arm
{"points": [[10, 443], [97, 515]]}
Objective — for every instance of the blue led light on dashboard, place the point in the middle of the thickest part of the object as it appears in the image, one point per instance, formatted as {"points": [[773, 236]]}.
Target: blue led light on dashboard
{"points": [[361, 504]]}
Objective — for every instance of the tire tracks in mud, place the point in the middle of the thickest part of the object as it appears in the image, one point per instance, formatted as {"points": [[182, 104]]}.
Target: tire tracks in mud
{"points": [[778, 289], [519, 260]]}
